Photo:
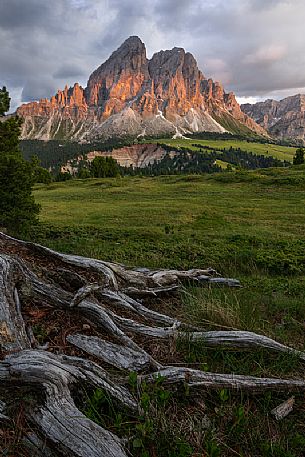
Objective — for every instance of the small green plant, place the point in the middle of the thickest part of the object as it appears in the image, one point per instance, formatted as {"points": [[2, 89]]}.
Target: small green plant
{"points": [[101, 409], [133, 381], [224, 395], [181, 449], [95, 403], [146, 431], [212, 448], [40, 332], [239, 421]]}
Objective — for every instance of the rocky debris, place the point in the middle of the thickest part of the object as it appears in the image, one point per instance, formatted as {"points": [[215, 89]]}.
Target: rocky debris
{"points": [[129, 95], [283, 119]]}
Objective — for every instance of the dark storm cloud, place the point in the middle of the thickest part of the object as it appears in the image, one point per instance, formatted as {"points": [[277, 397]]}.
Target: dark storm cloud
{"points": [[18, 14], [255, 47], [36, 88]]}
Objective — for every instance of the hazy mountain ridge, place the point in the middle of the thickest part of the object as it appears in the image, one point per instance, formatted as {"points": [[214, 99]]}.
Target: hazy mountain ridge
{"points": [[282, 119], [129, 95]]}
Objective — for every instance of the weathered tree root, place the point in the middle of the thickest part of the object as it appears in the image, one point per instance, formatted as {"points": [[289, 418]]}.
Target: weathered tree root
{"points": [[57, 417], [196, 378], [112, 307]]}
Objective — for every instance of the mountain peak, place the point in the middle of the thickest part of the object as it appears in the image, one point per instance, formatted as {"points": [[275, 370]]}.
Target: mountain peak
{"points": [[129, 94], [133, 40], [126, 69], [133, 44], [176, 49], [130, 47]]}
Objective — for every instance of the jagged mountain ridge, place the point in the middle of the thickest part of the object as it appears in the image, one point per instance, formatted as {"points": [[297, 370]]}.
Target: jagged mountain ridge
{"points": [[130, 95], [283, 119]]}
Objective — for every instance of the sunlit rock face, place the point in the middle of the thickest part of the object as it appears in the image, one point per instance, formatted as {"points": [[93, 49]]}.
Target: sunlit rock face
{"points": [[283, 119], [136, 156], [129, 95]]}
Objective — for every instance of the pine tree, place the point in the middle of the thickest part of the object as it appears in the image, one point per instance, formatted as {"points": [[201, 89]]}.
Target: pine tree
{"points": [[298, 159], [104, 167], [4, 101], [18, 210]]}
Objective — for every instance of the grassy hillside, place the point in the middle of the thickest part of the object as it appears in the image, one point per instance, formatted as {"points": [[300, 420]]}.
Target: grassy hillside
{"points": [[145, 214], [279, 152], [247, 225]]}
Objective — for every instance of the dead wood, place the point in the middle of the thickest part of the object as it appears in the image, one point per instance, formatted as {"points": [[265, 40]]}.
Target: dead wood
{"points": [[107, 297]]}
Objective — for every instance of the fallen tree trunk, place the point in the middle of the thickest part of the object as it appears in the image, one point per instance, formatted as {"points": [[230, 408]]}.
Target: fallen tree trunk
{"points": [[106, 296]]}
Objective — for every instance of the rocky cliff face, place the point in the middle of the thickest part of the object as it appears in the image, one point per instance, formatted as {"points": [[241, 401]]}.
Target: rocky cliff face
{"points": [[129, 95], [137, 156], [283, 119]]}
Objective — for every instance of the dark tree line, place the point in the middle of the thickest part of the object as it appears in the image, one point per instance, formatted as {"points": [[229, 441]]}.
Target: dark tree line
{"points": [[185, 162], [240, 137], [53, 154], [236, 157]]}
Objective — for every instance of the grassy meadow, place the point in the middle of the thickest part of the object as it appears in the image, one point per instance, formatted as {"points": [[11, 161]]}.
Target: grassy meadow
{"points": [[279, 152], [247, 225]]}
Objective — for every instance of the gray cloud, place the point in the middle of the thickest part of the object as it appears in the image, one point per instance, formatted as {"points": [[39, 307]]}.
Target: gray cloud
{"points": [[69, 71], [37, 88], [17, 14], [254, 47], [266, 4]]}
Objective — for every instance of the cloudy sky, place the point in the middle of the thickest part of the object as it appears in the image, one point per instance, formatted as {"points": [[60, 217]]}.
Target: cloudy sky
{"points": [[254, 47]]}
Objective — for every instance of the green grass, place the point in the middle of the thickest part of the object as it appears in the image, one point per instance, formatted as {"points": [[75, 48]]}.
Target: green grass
{"points": [[247, 225], [223, 164], [234, 126], [228, 219], [279, 152]]}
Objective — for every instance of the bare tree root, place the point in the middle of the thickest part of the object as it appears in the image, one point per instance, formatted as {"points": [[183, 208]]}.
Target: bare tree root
{"points": [[107, 296]]}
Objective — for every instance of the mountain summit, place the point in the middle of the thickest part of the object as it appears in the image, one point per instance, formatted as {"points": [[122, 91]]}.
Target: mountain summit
{"points": [[129, 95]]}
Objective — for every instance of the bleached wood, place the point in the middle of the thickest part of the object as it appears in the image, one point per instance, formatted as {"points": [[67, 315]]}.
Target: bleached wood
{"points": [[283, 409], [117, 355], [117, 290], [13, 336], [58, 418], [196, 378], [240, 340], [115, 276], [122, 300], [3, 416]]}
